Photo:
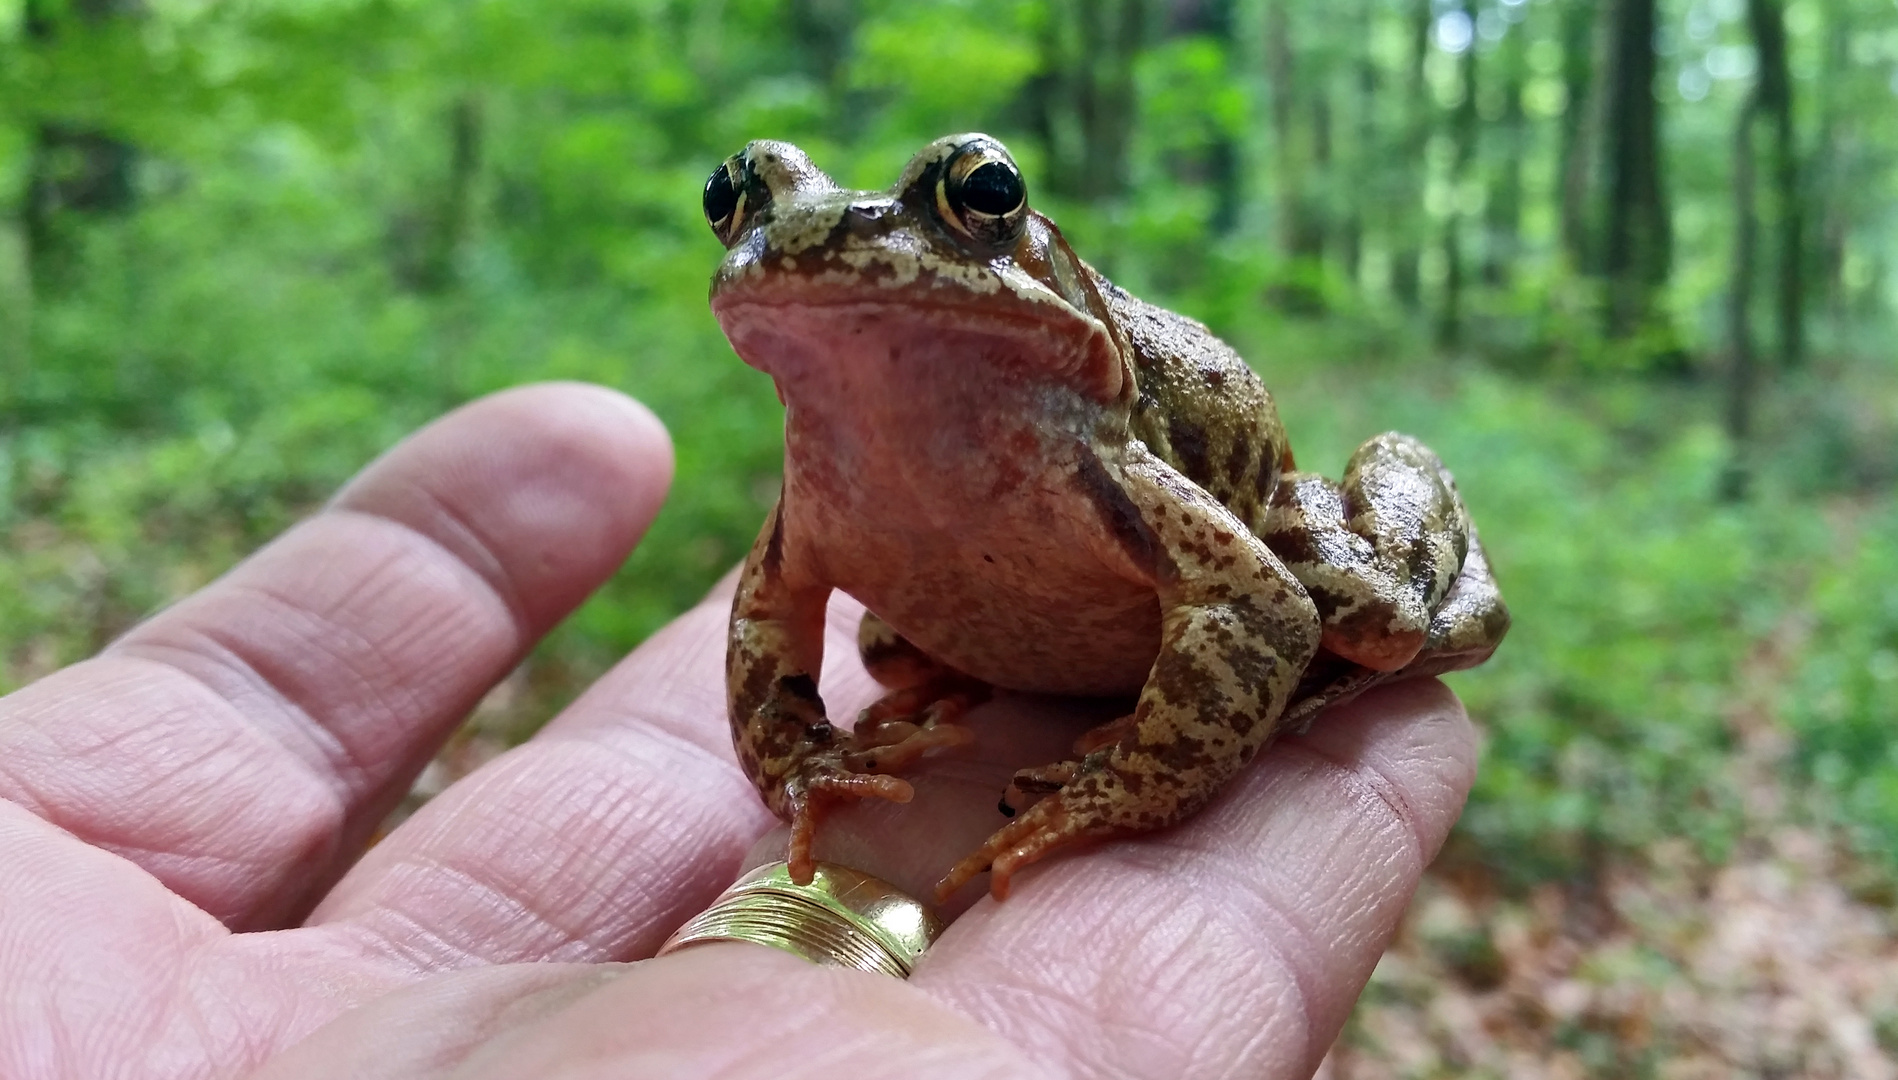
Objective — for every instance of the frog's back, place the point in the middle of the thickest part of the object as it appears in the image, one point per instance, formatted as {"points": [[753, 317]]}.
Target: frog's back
{"points": [[1201, 409]]}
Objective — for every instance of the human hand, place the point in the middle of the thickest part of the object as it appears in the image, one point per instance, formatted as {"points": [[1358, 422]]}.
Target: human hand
{"points": [[180, 819]]}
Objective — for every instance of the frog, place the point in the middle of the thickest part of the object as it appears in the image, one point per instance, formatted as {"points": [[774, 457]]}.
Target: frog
{"points": [[1036, 483]]}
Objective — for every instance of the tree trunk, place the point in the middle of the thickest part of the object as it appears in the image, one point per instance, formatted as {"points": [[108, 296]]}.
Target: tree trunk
{"points": [[1297, 237], [1826, 183], [1639, 241], [1775, 96], [1364, 156], [1502, 217], [1214, 19], [1406, 281], [1741, 374], [1463, 131], [1579, 124], [1086, 112], [71, 169], [1111, 34]]}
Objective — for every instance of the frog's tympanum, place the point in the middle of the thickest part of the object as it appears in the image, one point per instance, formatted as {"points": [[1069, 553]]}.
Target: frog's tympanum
{"points": [[1036, 482]]}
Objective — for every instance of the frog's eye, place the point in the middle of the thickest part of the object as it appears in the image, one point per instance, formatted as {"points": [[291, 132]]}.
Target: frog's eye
{"points": [[982, 194], [725, 199]]}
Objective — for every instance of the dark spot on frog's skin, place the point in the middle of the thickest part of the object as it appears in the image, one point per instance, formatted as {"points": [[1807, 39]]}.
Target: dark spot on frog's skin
{"points": [[988, 558], [1268, 479], [1117, 510], [1189, 449], [774, 547], [1237, 461], [799, 686]]}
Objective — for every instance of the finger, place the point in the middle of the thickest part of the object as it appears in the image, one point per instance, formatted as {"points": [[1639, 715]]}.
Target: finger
{"points": [[715, 1012], [242, 744], [1236, 943], [596, 838]]}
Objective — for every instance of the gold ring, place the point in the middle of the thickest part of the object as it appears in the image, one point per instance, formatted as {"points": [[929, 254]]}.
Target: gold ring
{"points": [[843, 918]]}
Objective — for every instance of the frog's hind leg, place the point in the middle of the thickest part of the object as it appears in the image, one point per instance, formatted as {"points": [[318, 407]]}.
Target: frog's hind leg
{"points": [[918, 714], [1377, 551], [1391, 559]]}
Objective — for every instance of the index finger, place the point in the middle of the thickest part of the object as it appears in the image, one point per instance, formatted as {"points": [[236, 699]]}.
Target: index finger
{"points": [[240, 745]]}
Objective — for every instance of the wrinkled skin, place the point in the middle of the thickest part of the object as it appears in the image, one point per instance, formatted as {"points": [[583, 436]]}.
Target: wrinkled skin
{"points": [[1036, 482]]}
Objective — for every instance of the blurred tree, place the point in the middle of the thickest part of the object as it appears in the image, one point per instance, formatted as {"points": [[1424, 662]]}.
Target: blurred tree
{"points": [[1082, 104], [1772, 97], [1507, 132], [1637, 249], [1417, 116], [73, 167], [1301, 138], [1463, 118], [1580, 121]]}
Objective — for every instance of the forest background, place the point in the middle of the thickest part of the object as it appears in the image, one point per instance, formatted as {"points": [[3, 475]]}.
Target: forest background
{"points": [[1630, 266]]}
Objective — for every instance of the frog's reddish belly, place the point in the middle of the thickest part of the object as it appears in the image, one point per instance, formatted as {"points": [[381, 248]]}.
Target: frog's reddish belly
{"points": [[1012, 596], [933, 476]]}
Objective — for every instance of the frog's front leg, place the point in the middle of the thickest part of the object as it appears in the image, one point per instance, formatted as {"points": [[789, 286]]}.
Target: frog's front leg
{"points": [[774, 649], [1236, 632]]}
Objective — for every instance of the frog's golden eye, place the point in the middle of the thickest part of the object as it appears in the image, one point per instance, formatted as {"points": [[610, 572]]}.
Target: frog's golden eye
{"points": [[982, 194], [725, 199]]}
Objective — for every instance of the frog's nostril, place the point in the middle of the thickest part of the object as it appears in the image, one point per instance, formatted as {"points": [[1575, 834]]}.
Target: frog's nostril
{"points": [[869, 211]]}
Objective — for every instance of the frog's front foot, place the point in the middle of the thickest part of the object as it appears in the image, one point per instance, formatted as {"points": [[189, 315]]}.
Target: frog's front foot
{"points": [[820, 782]]}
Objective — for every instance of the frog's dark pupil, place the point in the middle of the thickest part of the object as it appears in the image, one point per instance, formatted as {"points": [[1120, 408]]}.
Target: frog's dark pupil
{"points": [[995, 188], [721, 197]]}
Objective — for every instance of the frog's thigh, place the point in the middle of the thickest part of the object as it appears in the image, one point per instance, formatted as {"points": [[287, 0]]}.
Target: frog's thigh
{"points": [[1236, 632], [1468, 625], [1378, 552]]}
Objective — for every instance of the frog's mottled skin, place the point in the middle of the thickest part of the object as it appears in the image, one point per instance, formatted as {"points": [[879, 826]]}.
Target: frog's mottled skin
{"points": [[1036, 482]]}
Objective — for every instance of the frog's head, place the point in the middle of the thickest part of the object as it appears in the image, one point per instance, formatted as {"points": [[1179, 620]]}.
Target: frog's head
{"points": [[950, 263]]}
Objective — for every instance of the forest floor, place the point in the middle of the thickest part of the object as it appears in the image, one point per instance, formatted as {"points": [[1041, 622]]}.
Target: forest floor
{"points": [[1780, 962]]}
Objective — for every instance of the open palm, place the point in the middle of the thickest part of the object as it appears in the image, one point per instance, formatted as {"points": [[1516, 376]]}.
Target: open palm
{"points": [[183, 891]]}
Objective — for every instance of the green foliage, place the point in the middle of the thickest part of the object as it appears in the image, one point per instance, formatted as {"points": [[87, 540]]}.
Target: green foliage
{"points": [[1843, 700]]}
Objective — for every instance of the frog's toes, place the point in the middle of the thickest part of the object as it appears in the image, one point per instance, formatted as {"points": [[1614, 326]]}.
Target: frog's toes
{"points": [[936, 702], [824, 784], [895, 745], [1045, 828]]}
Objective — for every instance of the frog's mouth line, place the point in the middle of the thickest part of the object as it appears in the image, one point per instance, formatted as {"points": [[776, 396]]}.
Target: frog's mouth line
{"points": [[777, 335]]}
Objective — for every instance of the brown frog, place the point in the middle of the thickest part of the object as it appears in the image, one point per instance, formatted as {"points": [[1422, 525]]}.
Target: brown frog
{"points": [[1035, 481]]}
